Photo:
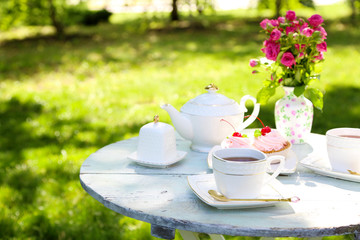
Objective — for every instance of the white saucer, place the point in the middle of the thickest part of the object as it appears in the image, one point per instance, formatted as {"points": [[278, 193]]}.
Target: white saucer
{"points": [[201, 184], [289, 168], [321, 165], [179, 155]]}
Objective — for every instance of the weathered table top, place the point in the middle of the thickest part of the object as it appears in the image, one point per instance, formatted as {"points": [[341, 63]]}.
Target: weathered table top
{"points": [[163, 198]]}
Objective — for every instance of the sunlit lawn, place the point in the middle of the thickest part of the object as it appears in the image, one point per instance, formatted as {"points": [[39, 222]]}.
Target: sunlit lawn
{"points": [[62, 100]]}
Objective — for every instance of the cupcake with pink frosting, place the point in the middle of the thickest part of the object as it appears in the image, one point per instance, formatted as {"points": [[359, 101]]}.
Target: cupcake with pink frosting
{"points": [[271, 142], [236, 140]]}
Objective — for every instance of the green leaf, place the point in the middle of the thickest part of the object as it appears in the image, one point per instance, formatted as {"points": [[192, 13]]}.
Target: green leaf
{"points": [[316, 34], [315, 96], [285, 48], [298, 91], [298, 75], [257, 133], [265, 93], [288, 82], [280, 55]]}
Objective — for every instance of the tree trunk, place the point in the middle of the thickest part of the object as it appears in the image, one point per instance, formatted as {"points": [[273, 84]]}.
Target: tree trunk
{"points": [[353, 12], [174, 16], [59, 27], [278, 4]]}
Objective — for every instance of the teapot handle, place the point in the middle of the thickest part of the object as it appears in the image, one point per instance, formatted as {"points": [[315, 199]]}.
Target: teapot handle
{"points": [[254, 114]]}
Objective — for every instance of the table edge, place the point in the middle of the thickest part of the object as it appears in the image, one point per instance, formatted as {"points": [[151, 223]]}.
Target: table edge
{"points": [[173, 223]]}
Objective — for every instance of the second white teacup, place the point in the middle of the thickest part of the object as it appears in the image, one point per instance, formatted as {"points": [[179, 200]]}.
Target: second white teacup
{"points": [[343, 147], [241, 172]]}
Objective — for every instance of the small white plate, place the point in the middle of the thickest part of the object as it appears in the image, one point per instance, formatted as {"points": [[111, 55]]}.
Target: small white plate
{"points": [[179, 155], [289, 168], [321, 165], [201, 184]]}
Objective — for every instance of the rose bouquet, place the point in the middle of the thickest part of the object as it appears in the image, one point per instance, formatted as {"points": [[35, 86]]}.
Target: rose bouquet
{"points": [[292, 50]]}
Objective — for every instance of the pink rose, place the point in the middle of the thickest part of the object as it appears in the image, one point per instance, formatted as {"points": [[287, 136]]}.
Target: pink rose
{"points": [[300, 48], [322, 31], [288, 59], [263, 23], [295, 24], [303, 26], [271, 50], [290, 15], [275, 34], [290, 30], [307, 32], [281, 19], [322, 47], [319, 57], [253, 62], [274, 23], [315, 20], [280, 80]]}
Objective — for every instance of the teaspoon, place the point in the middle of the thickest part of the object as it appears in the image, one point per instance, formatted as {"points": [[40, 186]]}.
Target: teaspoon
{"points": [[220, 197], [354, 173]]}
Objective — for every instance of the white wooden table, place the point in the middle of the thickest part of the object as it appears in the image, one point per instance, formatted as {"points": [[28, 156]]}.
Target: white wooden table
{"points": [[163, 198]]}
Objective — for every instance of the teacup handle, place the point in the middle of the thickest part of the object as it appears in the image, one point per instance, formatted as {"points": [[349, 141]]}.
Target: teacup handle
{"points": [[278, 169], [209, 157], [254, 114]]}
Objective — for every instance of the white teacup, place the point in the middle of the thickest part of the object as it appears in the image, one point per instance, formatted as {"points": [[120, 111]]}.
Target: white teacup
{"points": [[343, 147], [245, 177]]}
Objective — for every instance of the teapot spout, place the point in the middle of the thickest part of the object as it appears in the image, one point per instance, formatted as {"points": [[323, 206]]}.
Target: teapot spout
{"points": [[181, 123]]}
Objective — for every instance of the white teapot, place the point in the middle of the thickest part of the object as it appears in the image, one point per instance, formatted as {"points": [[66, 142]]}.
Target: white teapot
{"points": [[199, 120]]}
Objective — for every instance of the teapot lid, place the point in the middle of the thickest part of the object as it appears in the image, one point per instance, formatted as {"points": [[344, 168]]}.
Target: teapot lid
{"points": [[212, 104]]}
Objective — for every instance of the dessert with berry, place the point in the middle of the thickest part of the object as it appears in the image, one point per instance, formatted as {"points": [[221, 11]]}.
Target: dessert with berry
{"points": [[270, 141], [236, 140]]}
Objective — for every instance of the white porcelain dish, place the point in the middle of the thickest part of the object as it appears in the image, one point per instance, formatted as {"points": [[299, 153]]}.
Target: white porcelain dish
{"points": [[199, 120], [164, 164], [321, 165], [201, 184]]}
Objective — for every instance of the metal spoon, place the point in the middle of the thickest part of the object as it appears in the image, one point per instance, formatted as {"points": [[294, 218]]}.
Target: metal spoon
{"points": [[220, 197], [354, 173]]}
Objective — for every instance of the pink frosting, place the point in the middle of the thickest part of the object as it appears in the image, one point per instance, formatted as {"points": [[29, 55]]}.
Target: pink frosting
{"points": [[271, 141], [236, 142]]}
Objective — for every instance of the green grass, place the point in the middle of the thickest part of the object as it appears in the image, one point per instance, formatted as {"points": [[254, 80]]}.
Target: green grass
{"points": [[61, 100]]}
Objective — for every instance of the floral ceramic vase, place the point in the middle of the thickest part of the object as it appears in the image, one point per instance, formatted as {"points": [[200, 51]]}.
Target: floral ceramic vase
{"points": [[294, 116]]}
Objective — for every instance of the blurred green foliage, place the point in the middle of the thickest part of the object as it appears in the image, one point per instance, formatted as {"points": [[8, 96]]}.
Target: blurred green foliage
{"points": [[61, 100], [16, 13]]}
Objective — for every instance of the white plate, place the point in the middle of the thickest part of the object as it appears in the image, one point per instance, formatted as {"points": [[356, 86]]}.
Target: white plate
{"points": [[179, 155], [201, 184], [289, 168], [320, 164]]}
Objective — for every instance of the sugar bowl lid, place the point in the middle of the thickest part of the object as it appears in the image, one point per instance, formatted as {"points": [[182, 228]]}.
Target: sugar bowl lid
{"points": [[212, 104]]}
